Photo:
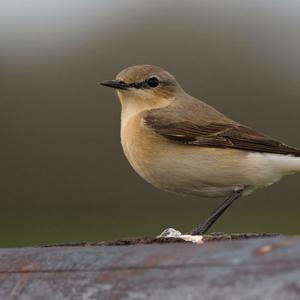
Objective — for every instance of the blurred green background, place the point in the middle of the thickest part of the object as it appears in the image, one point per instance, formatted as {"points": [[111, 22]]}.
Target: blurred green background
{"points": [[63, 175]]}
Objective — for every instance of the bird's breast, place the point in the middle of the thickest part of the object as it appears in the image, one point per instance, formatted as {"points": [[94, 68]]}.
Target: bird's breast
{"points": [[140, 146]]}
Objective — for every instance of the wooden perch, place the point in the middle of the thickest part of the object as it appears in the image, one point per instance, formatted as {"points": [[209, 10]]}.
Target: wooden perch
{"points": [[256, 268]]}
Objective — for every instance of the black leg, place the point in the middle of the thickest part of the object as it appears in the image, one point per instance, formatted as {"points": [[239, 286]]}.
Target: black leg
{"points": [[204, 227]]}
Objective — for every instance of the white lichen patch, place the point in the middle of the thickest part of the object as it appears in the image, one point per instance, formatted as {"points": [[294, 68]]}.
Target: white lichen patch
{"points": [[173, 233]]}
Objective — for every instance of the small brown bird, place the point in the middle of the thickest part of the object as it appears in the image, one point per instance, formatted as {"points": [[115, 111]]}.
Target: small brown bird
{"points": [[181, 144]]}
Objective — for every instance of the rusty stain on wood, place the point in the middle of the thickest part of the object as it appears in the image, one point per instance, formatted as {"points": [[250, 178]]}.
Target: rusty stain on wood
{"points": [[257, 268]]}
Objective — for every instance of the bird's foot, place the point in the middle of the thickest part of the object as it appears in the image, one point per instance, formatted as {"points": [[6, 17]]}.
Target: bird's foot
{"points": [[173, 233]]}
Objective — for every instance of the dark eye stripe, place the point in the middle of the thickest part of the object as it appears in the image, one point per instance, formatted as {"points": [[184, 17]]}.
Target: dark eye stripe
{"points": [[146, 84], [139, 85]]}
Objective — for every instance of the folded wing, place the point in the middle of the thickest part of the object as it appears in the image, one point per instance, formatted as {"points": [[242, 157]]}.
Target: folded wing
{"points": [[218, 135]]}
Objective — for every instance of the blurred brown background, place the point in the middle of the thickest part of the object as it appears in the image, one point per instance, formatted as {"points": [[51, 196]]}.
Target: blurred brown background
{"points": [[63, 175]]}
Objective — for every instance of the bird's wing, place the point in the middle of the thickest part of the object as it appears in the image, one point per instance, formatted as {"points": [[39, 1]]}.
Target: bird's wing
{"points": [[218, 135]]}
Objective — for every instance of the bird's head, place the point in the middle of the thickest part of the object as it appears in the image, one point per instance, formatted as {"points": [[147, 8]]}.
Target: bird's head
{"points": [[146, 84]]}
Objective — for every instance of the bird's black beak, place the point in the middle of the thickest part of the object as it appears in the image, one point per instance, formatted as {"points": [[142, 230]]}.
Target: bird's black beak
{"points": [[115, 84]]}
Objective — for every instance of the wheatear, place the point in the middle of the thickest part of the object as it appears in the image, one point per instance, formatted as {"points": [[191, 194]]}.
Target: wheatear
{"points": [[181, 144]]}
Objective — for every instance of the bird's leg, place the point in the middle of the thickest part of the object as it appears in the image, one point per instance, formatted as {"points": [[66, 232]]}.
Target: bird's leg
{"points": [[205, 226]]}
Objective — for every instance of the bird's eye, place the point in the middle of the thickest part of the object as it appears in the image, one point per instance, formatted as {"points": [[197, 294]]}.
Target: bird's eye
{"points": [[153, 82]]}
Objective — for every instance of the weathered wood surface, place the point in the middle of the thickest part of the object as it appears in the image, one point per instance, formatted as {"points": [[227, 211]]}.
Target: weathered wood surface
{"points": [[260, 268]]}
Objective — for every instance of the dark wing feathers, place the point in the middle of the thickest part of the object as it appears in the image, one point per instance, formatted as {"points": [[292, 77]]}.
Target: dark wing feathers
{"points": [[219, 135]]}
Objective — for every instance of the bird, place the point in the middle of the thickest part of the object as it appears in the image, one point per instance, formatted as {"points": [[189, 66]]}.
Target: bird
{"points": [[183, 145]]}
